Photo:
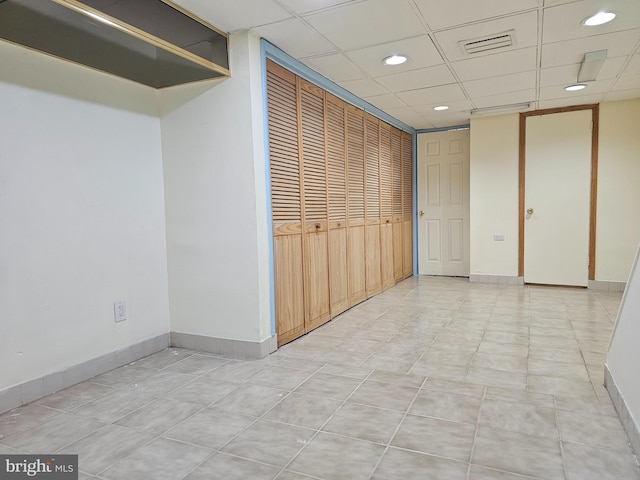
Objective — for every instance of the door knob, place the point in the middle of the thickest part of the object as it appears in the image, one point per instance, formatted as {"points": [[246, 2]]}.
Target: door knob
{"points": [[530, 211], [421, 213]]}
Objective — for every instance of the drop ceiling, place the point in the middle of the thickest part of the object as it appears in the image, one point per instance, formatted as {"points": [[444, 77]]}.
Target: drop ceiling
{"points": [[346, 40]]}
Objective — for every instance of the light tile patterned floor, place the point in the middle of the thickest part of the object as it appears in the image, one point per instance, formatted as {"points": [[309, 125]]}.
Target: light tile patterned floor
{"points": [[436, 378]]}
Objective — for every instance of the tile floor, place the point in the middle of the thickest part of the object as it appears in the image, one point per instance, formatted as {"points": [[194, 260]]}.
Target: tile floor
{"points": [[436, 378]]}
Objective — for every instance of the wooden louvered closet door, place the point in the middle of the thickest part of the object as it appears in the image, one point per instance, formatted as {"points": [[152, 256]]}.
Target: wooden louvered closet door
{"points": [[341, 196], [372, 214], [386, 208], [407, 205], [286, 203], [356, 208], [337, 205], [396, 165], [314, 180]]}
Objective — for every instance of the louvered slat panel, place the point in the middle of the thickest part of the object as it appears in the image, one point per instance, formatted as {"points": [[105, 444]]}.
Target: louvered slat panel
{"points": [[373, 168], [315, 174], [407, 175], [336, 163], [386, 173], [355, 165], [283, 149], [396, 163]]}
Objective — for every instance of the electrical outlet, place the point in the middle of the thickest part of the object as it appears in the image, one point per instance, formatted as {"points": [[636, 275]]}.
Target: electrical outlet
{"points": [[120, 311]]}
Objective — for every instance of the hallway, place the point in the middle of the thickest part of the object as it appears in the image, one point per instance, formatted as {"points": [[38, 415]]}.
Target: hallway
{"points": [[436, 378]]}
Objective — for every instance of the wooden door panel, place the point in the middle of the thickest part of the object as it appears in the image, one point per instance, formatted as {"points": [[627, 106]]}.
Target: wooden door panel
{"points": [[338, 279], [407, 248], [386, 255], [316, 274], [398, 257], [374, 277], [357, 272], [289, 291]]}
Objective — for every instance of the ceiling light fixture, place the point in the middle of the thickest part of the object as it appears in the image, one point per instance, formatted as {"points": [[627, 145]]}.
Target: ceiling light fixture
{"points": [[439, 108], [394, 60], [500, 109], [599, 19], [575, 87]]}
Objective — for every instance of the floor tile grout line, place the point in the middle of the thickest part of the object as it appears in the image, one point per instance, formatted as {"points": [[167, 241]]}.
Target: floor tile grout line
{"points": [[395, 432], [319, 430], [475, 434]]}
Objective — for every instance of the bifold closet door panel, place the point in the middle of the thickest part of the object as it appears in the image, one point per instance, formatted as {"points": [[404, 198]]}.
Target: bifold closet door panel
{"points": [[289, 291], [386, 208], [314, 181], [407, 205], [396, 172], [372, 213], [337, 204], [286, 203], [356, 206]]}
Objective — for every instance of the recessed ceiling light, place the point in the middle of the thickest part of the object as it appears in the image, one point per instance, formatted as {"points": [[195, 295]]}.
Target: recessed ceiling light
{"points": [[576, 87], [394, 60], [441, 107], [599, 18]]}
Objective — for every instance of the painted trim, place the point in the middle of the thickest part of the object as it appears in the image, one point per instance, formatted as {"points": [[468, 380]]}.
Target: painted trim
{"points": [[285, 60], [444, 129], [265, 122], [414, 216]]}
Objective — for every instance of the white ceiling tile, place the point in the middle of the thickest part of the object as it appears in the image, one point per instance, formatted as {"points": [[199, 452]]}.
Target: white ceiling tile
{"points": [[459, 106], [385, 101], [363, 24], [420, 52], [618, 44], [423, 124], [564, 22], [567, 74], [558, 91], [335, 66], [295, 38], [513, 61], [551, 3], [364, 88], [634, 65], [428, 96], [231, 15], [502, 84], [456, 118], [408, 116], [628, 82], [525, 26], [415, 79], [622, 95], [569, 101], [506, 99], [306, 6], [458, 12]]}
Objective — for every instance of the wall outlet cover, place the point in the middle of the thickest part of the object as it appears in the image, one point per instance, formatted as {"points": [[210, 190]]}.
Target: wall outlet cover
{"points": [[120, 311]]}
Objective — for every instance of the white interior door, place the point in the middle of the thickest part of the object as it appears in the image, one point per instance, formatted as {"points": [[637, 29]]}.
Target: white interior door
{"points": [[557, 197], [443, 203]]}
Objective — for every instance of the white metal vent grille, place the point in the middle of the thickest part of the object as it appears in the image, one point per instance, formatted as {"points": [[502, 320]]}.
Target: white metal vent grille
{"points": [[489, 42]]}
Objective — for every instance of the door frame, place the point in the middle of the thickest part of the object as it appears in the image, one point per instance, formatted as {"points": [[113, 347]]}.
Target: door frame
{"points": [[595, 115]]}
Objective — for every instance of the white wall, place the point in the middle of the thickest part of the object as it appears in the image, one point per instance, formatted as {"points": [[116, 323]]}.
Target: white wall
{"points": [[618, 189], [215, 187], [494, 195], [623, 357], [81, 215], [494, 192]]}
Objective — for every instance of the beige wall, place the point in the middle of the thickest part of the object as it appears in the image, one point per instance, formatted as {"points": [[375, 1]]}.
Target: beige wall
{"points": [[618, 189], [494, 195], [494, 192]]}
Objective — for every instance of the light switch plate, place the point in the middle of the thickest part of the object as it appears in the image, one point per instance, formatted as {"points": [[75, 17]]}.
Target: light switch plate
{"points": [[498, 237]]}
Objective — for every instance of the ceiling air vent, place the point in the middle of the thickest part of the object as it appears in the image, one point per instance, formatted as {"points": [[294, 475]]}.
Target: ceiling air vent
{"points": [[488, 42]]}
